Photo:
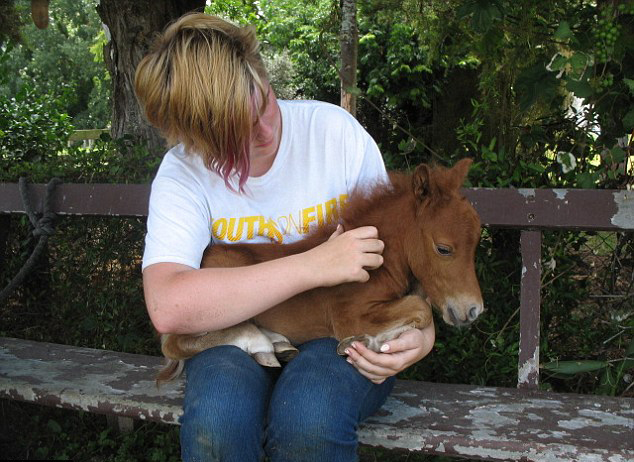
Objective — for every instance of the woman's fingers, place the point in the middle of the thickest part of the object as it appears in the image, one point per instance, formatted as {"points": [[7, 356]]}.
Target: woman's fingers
{"points": [[397, 354], [376, 373], [347, 256]]}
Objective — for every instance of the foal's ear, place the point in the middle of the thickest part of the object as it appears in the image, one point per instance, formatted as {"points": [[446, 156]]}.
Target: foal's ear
{"points": [[460, 171], [421, 180]]}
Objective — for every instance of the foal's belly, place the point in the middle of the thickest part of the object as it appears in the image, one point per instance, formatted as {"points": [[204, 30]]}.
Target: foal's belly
{"points": [[300, 319]]}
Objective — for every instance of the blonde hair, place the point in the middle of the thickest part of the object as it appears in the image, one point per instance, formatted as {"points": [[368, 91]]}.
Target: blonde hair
{"points": [[203, 84]]}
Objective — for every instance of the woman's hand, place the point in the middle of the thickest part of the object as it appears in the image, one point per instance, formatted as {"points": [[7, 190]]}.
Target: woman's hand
{"points": [[347, 256], [398, 354]]}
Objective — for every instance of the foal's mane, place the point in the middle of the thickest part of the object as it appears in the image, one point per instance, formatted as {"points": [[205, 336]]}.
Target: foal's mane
{"points": [[389, 206], [370, 206], [441, 184], [366, 206]]}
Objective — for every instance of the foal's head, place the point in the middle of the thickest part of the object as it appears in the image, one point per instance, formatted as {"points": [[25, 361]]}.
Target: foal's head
{"points": [[441, 246]]}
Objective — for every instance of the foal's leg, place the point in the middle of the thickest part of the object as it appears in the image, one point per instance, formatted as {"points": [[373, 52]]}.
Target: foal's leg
{"points": [[245, 336], [382, 323], [284, 350]]}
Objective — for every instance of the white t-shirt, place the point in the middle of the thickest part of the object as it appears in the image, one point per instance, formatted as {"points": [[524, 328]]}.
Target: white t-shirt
{"points": [[324, 155]]}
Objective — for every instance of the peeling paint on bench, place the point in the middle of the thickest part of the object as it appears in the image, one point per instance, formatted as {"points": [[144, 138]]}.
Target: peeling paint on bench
{"points": [[529, 367], [86, 379], [624, 215], [455, 420], [505, 424]]}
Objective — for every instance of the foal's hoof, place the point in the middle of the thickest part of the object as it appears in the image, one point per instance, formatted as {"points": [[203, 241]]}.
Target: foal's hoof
{"points": [[266, 359], [285, 351], [347, 342]]}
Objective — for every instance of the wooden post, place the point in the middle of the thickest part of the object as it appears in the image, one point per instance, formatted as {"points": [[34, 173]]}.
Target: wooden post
{"points": [[528, 368], [120, 424]]}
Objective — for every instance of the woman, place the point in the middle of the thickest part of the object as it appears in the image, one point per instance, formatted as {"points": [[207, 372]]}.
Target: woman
{"points": [[246, 167]]}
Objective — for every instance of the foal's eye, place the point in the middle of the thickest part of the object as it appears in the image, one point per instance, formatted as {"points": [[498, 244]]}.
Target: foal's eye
{"points": [[444, 250]]}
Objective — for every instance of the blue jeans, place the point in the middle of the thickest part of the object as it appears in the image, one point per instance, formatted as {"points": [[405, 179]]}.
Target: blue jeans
{"points": [[238, 411]]}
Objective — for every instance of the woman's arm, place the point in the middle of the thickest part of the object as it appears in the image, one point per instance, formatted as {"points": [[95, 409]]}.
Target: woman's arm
{"points": [[183, 300]]}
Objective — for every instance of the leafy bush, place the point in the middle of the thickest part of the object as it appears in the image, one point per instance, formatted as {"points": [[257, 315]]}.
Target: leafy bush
{"points": [[101, 253], [33, 127], [66, 55], [60, 434]]}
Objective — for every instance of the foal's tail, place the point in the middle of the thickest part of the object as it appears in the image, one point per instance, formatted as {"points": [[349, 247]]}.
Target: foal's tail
{"points": [[172, 369]]}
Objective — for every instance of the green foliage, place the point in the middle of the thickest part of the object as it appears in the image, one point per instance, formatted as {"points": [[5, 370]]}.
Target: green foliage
{"points": [[56, 434], [593, 62], [33, 127], [566, 89], [482, 13], [11, 22], [396, 82], [108, 161], [308, 32], [61, 60], [34, 144], [557, 53], [600, 359], [110, 315], [603, 376]]}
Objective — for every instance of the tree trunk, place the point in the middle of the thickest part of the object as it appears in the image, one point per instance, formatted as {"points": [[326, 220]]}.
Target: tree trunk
{"points": [[131, 28], [349, 51]]}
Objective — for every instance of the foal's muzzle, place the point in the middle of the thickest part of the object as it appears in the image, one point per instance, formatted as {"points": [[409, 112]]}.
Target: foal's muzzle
{"points": [[462, 317]]}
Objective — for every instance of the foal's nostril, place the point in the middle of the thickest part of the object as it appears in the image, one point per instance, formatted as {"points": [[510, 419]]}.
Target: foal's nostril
{"points": [[454, 317], [474, 312]]}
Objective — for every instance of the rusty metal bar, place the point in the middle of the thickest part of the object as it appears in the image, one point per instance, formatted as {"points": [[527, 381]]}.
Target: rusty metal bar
{"points": [[530, 298], [81, 199], [576, 209]]}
